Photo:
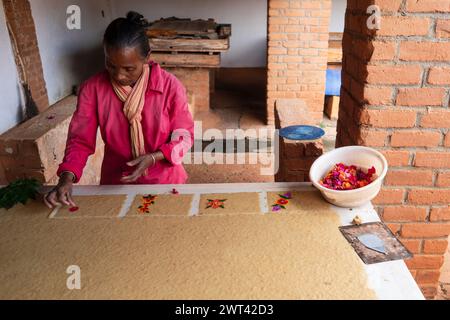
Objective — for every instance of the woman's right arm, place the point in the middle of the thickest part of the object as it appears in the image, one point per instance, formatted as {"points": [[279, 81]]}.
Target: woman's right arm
{"points": [[81, 142]]}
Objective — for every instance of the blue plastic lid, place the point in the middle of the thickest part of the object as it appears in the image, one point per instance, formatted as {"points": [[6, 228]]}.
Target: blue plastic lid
{"points": [[301, 133]]}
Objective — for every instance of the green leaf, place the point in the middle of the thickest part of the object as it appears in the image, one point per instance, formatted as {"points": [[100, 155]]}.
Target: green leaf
{"points": [[18, 191]]}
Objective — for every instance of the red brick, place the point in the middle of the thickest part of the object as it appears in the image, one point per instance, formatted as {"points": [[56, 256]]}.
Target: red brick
{"points": [[383, 50], [311, 4], [443, 28], [425, 230], [429, 196], [314, 148], [443, 179], [439, 76], [412, 245], [440, 214], [415, 138], [425, 262], [377, 95], [387, 74], [18, 13], [438, 118], [435, 246], [278, 4], [404, 214], [427, 5], [447, 140], [401, 177], [8, 147], [294, 176], [424, 51], [385, 5], [388, 118], [292, 149], [394, 227], [389, 196], [278, 20], [298, 164], [396, 158], [372, 138], [432, 159], [429, 291], [295, 13], [404, 26], [420, 96], [428, 276]]}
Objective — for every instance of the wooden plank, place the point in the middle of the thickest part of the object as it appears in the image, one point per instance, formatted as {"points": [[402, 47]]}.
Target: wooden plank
{"points": [[332, 107], [190, 45], [336, 36], [188, 60], [185, 26]]}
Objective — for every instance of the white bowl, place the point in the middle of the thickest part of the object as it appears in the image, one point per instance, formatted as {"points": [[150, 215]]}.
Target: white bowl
{"points": [[361, 157]]}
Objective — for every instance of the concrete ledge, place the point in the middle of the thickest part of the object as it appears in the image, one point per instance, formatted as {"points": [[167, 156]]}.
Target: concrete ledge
{"points": [[35, 148]]}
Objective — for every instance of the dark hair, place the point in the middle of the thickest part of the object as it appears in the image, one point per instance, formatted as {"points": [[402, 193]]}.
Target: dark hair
{"points": [[128, 32]]}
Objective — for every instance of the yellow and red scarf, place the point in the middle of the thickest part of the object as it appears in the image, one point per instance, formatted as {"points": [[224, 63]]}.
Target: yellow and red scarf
{"points": [[134, 99]]}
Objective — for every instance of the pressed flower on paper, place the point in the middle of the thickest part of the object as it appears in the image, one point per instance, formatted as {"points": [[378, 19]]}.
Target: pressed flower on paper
{"points": [[282, 202], [216, 203]]}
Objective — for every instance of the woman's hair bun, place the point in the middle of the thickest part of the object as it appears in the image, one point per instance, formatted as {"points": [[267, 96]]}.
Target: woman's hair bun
{"points": [[135, 17], [128, 32]]}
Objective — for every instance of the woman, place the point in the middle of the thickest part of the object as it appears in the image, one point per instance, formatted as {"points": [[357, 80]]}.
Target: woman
{"points": [[142, 113]]}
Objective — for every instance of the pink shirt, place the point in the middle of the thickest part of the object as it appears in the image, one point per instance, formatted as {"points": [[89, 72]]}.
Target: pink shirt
{"points": [[165, 111]]}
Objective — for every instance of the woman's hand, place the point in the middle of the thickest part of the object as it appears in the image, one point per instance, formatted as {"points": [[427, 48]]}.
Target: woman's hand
{"points": [[62, 193], [143, 163]]}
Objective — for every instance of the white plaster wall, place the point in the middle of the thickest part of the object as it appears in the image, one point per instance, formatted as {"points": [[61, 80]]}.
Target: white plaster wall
{"points": [[10, 96], [69, 56], [337, 20], [248, 19]]}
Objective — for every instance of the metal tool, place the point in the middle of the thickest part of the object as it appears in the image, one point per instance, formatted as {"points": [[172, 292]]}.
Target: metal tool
{"points": [[372, 242]]}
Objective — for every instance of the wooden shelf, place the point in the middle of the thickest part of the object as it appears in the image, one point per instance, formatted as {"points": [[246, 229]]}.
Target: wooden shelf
{"points": [[189, 45], [186, 60], [335, 48]]}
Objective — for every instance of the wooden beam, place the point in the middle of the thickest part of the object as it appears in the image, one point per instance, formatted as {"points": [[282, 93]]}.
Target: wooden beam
{"points": [[188, 60], [190, 45]]}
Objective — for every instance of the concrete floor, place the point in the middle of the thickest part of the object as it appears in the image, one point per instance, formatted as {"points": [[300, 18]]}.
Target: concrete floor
{"points": [[232, 109]]}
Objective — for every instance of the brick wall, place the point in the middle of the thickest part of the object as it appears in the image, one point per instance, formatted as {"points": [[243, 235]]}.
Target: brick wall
{"points": [[18, 15], [395, 98], [297, 53]]}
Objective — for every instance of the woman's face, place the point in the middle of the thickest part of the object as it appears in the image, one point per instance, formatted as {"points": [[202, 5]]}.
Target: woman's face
{"points": [[124, 65]]}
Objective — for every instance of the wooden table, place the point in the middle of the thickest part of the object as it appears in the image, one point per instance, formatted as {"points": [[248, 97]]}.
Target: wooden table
{"points": [[389, 280]]}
